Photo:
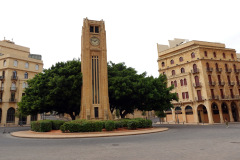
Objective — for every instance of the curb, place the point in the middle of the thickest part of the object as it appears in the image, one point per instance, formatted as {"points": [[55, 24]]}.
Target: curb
{"points": [[41, 135]]}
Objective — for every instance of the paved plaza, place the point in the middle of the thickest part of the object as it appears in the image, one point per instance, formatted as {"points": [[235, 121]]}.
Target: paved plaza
{"points": [[181, 142]]}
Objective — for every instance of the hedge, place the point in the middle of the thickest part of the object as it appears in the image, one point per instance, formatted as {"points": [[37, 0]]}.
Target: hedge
{"points": [[109, 125], [41, 126], [56, 124]]}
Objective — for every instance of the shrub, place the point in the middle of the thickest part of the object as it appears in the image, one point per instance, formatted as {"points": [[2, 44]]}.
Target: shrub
{"points": [[109, 125], [124, 122], [141, 123], [132, 124], [56, 124], [41, 126], [148, 123], [117, 124]]}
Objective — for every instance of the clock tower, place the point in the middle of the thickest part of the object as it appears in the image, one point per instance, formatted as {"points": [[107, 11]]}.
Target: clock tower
{"points": [[94, 100]]}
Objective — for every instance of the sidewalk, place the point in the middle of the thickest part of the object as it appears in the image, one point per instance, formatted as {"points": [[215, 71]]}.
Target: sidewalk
{"points": [[58, 134]]}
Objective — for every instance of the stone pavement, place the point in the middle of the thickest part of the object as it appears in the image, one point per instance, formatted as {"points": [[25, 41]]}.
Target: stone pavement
{"points": [[58, 135]]}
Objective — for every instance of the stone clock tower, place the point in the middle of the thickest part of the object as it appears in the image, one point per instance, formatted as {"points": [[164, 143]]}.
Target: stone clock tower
{"points": [[94, 100]]}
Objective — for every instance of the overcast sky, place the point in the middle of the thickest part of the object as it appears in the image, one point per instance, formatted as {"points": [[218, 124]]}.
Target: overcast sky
{"points": [[53, 28]]}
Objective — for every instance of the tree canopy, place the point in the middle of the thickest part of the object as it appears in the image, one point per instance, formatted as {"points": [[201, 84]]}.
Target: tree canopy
{"points": [[129, 91], [56, 89]]}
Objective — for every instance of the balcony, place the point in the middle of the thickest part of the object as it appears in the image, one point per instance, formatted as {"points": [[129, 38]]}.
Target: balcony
{"points": [[236, 97], [195, 71], [2, 77], [221, 83], [12, 100], [199, 99], [231, 83], [214, 97], [197, 85], [13, 88], [236, 70], [224, 97], [228, 70], [219, 70], [212, 83], [14, 77], [209, 69]]}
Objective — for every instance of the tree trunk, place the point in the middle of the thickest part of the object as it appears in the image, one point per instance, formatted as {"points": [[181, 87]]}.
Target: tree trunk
{"points": [[72, 116], [123, 114]]}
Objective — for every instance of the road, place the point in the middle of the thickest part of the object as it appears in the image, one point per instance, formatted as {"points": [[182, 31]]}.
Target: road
{"points": [[181, 142]]}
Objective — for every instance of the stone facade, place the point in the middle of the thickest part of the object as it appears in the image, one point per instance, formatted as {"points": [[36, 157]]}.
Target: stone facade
{"points": [[94, 100], [17, 65], [205, 76]]}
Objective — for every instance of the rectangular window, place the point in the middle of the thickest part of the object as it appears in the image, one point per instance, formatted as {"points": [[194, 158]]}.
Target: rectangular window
{"points": [[91, 29], [199, 94], [231, 91], [187, 96], [96, 112], [183, 95], [221, 91], [212, 93], [96, 29]]}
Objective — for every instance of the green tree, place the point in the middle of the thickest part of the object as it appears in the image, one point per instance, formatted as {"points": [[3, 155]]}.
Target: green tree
{"points": [[122, 85], [56, 89]]}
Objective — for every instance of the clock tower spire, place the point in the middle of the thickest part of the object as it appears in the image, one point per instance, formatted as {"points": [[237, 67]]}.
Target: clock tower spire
{"points": [[94, 100]]}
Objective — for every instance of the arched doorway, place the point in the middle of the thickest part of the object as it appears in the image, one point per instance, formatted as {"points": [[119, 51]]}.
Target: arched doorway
{"points": [[11, 115], [215, 112], [169, 117], [189, 114], [235, 112], [225, 111], [202, 114], [178, 114], [0, 115]]}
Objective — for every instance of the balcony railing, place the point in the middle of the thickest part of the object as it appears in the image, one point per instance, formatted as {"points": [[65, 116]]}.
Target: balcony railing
{"points": [[195, 71], [12, 100], [221, 83], [224, 97], [231, 83], [228, 70], [218, 69], [209, 69], [236, 70], [236, 97], [14, 77], [197, 85], [199, 99], [13, 88], [214, 97], [212, 83], [2, 77]]}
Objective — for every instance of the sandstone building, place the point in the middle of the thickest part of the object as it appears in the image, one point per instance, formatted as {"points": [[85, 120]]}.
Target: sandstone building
{"points": [[205, 76], [17, 65]]}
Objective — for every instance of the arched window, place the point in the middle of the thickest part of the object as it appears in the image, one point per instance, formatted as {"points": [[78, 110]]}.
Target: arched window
{"points": [[4, 63], [172, 61], [205, 53], [182, 70], [163, 64], [181, 82], [194, 68], [207, 65], [224, 56], [14, 73], [26, 65], [181, 59], [193, 55], [25, 75], [216, 65], [226, 67], [36, 67], [172, 83], [24, 85], [11, 115], [175, 83], [173, 72], [234, 67], [214, 54], [185, 81], [232, 56]]}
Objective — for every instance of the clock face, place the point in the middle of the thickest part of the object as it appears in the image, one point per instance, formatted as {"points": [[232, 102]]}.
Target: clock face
{"points": [[95, 41]]}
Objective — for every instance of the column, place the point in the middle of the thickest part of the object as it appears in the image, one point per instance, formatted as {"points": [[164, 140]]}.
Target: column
{"points": [[209, 111], [184, 114], [220, 113], [195, 113], [230, 111], [173, 114]]}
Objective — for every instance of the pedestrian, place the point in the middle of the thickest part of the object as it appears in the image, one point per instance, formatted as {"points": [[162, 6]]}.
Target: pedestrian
{"points": [[226, 121]]}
